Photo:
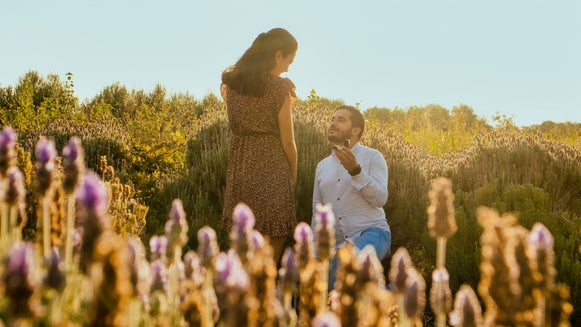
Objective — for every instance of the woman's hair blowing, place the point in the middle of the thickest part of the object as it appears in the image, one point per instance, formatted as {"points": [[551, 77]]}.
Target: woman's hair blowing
{"points": [[248, 75]]}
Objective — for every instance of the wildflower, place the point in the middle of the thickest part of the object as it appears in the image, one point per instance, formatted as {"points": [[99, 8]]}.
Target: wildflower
{"points": [[207, 247], [176, 230], [55, 277], [370, 268], [243, 224], [288, 273], [541, 244], [93, 217], [45, 165], [440, 293], [19, 280], [158, 246], [7, 150], [159, 277], [304, 252], [398, 274], [467, 311], [414, 299], [325, 231], [441, 221], [326, 319], [73, 164]]}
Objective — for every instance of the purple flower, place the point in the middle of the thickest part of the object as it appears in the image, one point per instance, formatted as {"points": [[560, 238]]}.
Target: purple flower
{"points": [[303, 236], [73, 163], [326, 319], [398, 274], [7, 149], [18, 277], [207, 246], [158, 246], [93, 194], [45, 165], [540, 238], [289, 272], [230, 272], [55, 277], [243, 218], [159, 277], [16, 192], [176, 228], [256, 240], [325, 231]]}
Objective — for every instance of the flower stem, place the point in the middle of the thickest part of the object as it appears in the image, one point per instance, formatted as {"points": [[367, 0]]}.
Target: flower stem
{"points": [[46, 227], [325, 286], [69, 228]]}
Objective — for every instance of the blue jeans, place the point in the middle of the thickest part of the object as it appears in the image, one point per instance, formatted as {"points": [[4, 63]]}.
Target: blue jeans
{"points": [[380, 240]]}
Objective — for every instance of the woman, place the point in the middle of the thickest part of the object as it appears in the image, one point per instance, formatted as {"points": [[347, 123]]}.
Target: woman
{"points": [[262, 163]]}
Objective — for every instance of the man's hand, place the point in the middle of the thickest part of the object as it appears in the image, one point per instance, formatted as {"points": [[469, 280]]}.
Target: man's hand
{"points": [[346, 157]]}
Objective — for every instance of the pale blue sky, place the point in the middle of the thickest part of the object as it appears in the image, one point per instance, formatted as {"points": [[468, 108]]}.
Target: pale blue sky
{"points": [[518, 58]]}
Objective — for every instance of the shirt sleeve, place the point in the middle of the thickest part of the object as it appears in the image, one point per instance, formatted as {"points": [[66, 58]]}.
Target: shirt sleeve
{"points": [[372, 183]]}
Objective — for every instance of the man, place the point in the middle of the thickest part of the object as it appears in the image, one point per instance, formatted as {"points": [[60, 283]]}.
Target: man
{"points": [[353, 179]]}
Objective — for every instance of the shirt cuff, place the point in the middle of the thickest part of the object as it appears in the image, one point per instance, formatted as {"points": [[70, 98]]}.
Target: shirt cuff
{"points": [[360, 180]]}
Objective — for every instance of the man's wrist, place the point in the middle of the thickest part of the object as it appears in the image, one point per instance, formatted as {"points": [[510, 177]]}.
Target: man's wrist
{"points": [[355, 171]]}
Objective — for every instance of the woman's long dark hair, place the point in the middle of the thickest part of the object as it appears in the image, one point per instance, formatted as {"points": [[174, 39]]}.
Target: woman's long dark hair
{"points": [[248, 75]]}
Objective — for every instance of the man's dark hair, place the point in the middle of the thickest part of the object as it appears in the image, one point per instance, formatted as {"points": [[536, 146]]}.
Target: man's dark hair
{"points": [[356, 117]]}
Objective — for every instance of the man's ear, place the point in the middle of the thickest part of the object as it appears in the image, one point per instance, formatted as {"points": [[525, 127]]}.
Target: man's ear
{"points": [[355, 131]]}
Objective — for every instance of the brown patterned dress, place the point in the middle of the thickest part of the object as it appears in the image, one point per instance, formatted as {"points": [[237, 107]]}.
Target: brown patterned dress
{"points": [[258, 172]]}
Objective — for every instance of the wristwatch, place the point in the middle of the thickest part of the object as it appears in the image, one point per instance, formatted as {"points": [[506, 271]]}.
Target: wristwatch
{"points": [[355, 171]]}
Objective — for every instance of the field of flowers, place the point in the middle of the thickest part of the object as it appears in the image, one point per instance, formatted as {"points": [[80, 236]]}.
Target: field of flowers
{"points": [[80, 272], [485, 221]]}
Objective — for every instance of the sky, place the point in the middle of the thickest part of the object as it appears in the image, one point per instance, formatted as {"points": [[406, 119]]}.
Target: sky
{"points": [[518, 58]]}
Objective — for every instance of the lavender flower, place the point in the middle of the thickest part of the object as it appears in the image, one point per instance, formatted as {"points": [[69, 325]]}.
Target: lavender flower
{"points": [[370, 268], [73, 164], [16, 192], [398, 274], [243, 224], [467, 311], [207, 247], [541, 243], [230, 272], [55, 277], [441, 221], [414, 296], [19, 281], [304, 252], [7, 149], [159, 277], [325, 231], [440, 293], [326, 319], [45, 165], [158, 246], [176, 230], [92, 198], [289, 272]]}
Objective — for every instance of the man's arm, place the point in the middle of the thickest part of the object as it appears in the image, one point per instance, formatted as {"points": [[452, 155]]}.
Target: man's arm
{"points": [[372, 183]]}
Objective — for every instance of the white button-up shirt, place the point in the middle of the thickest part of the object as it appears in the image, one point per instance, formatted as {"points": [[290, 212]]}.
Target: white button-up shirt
{"points": [[357, 201]]}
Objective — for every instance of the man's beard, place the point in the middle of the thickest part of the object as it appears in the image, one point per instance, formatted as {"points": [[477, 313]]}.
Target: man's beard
{"points": [[338, 136]]}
